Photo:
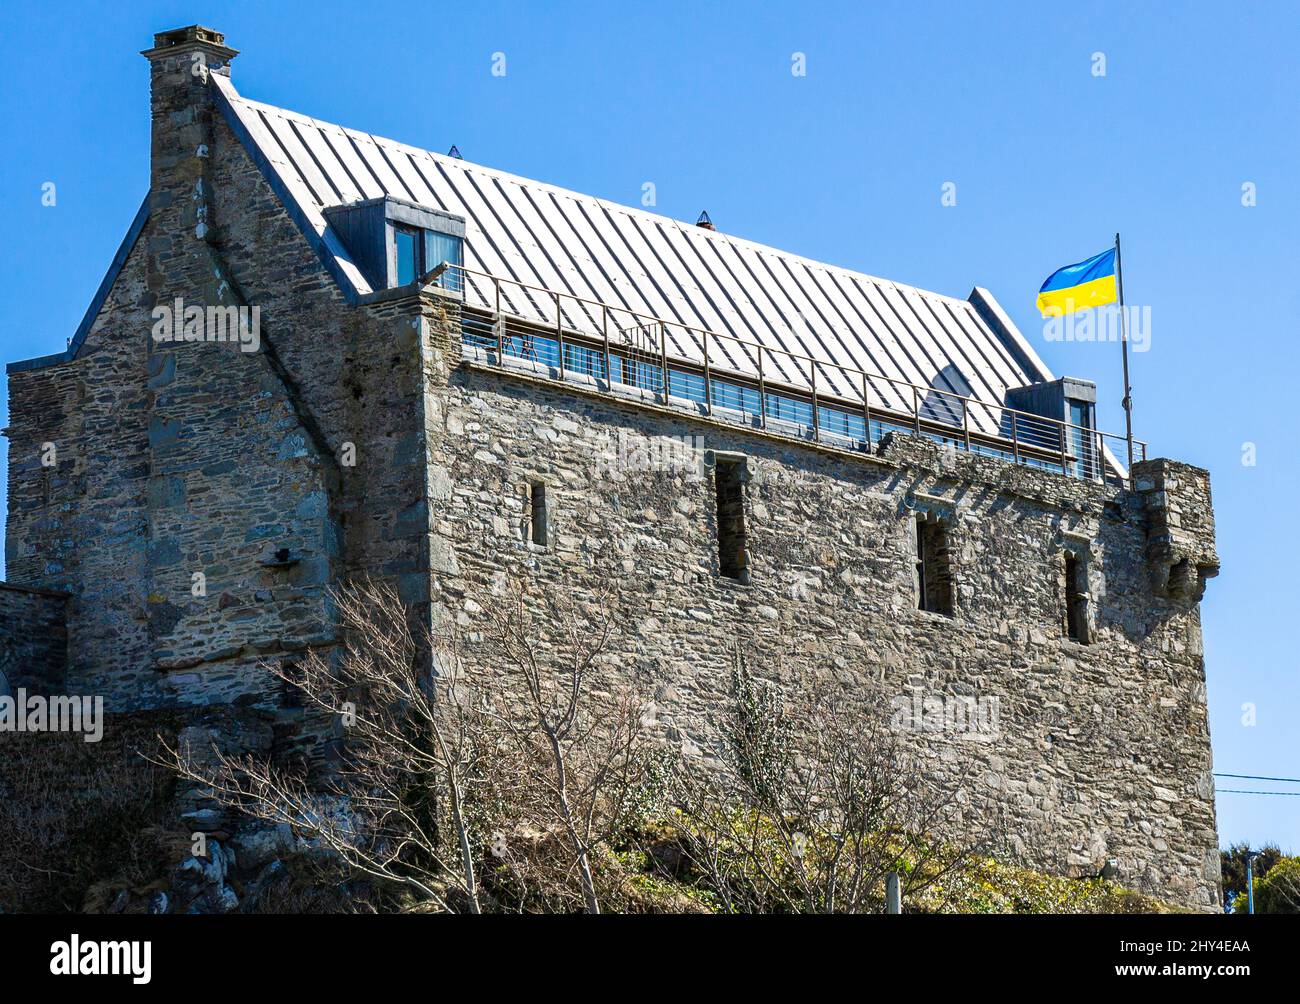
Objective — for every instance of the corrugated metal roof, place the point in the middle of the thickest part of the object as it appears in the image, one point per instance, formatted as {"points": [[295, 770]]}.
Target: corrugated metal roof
{"points": [[560, 240]]}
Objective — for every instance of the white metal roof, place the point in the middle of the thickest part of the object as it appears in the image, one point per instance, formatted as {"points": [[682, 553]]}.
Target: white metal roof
{"points": [[546, 236]]}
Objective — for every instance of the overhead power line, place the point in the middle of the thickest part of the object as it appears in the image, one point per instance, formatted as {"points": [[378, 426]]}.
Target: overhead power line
{"points": [[1257, 777], [1243, 791]]}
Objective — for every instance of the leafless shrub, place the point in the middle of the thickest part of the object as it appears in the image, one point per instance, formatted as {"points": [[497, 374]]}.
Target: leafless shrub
{"points": [[514, 756], [811, 802], [575, 745], [508, 778]]}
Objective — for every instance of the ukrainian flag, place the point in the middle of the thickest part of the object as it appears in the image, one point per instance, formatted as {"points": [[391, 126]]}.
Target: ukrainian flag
{"points": [[1090, 283]]}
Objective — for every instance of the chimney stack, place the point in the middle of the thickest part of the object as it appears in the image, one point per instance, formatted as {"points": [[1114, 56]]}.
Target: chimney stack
{"points": [[181, 108], [179, 64], [189, 48], [183, 112]]}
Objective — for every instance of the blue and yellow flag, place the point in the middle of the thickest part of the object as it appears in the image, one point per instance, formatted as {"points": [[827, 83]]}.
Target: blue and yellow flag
{"points": [[1091, 283]]}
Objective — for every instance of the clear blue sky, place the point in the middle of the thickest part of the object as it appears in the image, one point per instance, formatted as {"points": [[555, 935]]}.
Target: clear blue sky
{"points": [[844, 164]]}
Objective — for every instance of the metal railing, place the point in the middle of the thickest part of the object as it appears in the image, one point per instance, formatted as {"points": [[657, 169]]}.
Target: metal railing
{"points": [[626, 353]]}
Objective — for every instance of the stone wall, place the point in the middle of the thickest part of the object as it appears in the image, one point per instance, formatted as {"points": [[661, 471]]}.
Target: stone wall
{"points": [[1103, 749], [33, 640], [1180, 542], [78, 485]]}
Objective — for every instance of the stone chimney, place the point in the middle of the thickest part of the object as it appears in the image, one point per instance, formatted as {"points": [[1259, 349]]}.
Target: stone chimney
{"points": [[181, 105], [180, 45]]}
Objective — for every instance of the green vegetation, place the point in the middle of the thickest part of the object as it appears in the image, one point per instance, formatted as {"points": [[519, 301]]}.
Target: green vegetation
{"points": [[80, 821], [1277, 887], [1233, 864], [650, 871], [1276, 875]]}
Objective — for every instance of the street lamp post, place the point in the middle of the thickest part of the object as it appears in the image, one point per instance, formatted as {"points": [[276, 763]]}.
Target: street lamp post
{"points": [[1250, 880]]}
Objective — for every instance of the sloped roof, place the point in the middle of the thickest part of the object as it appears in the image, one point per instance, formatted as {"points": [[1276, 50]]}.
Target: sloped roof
{"points": [[561, 240]]}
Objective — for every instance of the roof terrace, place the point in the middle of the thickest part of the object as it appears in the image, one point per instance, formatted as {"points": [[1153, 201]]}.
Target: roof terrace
{"points": [[630, 355]]}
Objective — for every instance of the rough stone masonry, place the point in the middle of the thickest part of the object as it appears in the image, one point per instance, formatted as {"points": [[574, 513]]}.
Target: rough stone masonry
{"points": [[202, 501]]}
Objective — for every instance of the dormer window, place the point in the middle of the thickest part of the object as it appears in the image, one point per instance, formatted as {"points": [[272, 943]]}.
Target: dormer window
{"points": [[395, 242], [418, 251], [1070, 405]]}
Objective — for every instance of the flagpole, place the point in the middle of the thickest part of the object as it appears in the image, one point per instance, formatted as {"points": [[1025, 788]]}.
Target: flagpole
{"points": [[1128, 391]]}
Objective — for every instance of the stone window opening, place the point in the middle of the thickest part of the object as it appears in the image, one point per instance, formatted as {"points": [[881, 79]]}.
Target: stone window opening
{"points": [[932, 572], [291, 692], [1076, 598], [537, 513], [729, 476]]}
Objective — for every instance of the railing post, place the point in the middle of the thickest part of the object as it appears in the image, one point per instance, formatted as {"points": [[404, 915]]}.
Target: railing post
{"points": [[916, 409], [866, 414], [500, 325], [965, 422], [817, 432], [1015, 438], [762, 393], [1065, 433], [559, 333], [708, 377], [604, 334], [663, 349]]}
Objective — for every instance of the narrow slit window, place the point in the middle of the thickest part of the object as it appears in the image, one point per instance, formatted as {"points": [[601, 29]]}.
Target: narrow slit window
{"points": [[538, 513], [1076, 599], [918, 565], [733, 547], [932, 575], [291, 692]]}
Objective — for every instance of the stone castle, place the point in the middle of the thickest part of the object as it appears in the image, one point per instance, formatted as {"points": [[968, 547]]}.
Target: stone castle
{"points": [[320, 354]]}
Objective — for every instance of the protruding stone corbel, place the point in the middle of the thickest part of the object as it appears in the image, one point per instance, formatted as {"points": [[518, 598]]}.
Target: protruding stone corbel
{"points": [[1177, 574]]}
